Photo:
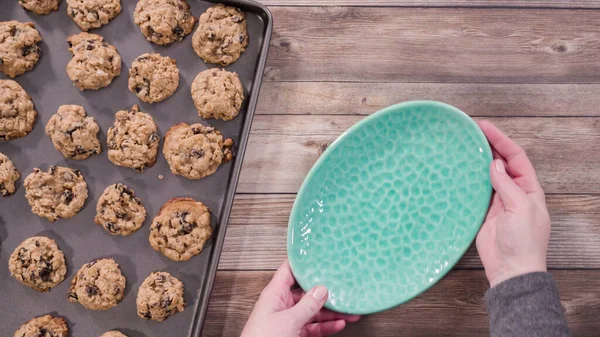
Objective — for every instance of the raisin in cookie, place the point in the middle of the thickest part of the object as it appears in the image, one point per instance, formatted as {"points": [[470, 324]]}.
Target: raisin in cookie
{"points": [[113, 334], [222, 35], [217, 93], [196, 151], [180, 229], [17, 114], [164, 21], [95, 63], [160, 296], [119, 211], [98, 285], [43, 326], [58, 193], [90, 14], [8, 175], [40, 7], [73, 132], [133, 139], [153, 77], [19, 51], [38, 263]]}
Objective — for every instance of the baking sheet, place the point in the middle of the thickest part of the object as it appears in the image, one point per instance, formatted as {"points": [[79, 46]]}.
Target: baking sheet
{"points": [[79, 237]]}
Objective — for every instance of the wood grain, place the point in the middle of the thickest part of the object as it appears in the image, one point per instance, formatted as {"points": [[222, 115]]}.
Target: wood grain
{"points": [[257, 233], [453, 307], [283, 148], [344, 98], [372, 44], [440, 3]]}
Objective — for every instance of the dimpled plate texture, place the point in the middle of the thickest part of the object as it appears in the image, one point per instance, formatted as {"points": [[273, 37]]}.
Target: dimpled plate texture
{"points": [[391, 206]]}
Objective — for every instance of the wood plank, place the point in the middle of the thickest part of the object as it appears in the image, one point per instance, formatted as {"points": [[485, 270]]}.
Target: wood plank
{"points": [[257, 232], [374, 44], [477, 99], [453, 307], [283, 148], [440, 3]]}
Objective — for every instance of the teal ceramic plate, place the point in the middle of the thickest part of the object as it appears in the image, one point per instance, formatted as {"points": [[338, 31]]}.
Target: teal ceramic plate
{"points": [[390, 206]]}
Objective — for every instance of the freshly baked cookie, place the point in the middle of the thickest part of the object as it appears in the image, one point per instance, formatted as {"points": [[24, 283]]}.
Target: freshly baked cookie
{"points": [[119, 211], [222, 35], [43, 326], [95, 63], [180, 229], [8, 176], [196, 151], [133, 139], [19, 51], [73, 132], [113, 334], [98, 285], [160, 296], [58, 193], [90, 14], [217, 93], [164, 21], [153, 77], [17, 114], [38, 263], [41, 7]]}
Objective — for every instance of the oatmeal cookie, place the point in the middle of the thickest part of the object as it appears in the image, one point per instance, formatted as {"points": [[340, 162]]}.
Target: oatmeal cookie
{"points": [[95, 63], [113, 334], [38, 263], [119, 211], [133, 139], [19, 51], [40, 7], [17, 114], [217, 93], [8, 176], [43, 326], [153, 77], [98, 285], [74, 133], [90, 14], [160, 296], [196, 151], [181, 229], [222, 35], [164, 21], [58, 193]]}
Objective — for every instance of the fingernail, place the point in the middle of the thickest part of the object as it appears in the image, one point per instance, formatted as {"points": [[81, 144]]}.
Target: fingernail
{"points": [[319, 293], [499, 166]]}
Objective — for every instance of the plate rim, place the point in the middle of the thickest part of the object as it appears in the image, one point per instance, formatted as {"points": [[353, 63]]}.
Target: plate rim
{"points": [[319, 162]]}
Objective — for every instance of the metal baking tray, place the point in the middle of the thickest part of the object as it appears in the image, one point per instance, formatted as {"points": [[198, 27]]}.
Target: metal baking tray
{"points": [[79, 237]]}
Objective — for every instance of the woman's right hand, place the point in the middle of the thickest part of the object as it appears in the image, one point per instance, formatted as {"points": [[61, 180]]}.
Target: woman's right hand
{"points": [[513, 239]]}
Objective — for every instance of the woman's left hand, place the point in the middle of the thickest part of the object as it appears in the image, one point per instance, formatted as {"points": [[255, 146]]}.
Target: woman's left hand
{"points": [[283, 312]]}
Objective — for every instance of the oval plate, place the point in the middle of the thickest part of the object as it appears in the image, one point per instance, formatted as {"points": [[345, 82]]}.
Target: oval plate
{"points": [[390, 206]]}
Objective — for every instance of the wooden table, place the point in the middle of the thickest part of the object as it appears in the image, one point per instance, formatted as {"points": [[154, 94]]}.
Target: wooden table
{"points": [[530, 66]]}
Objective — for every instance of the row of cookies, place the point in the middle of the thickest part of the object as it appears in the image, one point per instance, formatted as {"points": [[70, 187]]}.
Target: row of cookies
{"points": [[39, 264], [179, 231], [221, 37]]}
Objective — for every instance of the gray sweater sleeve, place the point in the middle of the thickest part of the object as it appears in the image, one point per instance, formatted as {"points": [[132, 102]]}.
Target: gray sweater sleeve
{"points": [[527, 305]]}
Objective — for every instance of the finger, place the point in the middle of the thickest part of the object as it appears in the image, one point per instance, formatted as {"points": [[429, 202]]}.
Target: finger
{"points": [[283, 276], [308, 307], [510, 194], [517, 162], [495, 207], [325, 329]]}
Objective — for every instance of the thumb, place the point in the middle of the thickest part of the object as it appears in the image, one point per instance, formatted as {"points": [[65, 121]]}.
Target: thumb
{"points": [[310, 305], [503, 184]]}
